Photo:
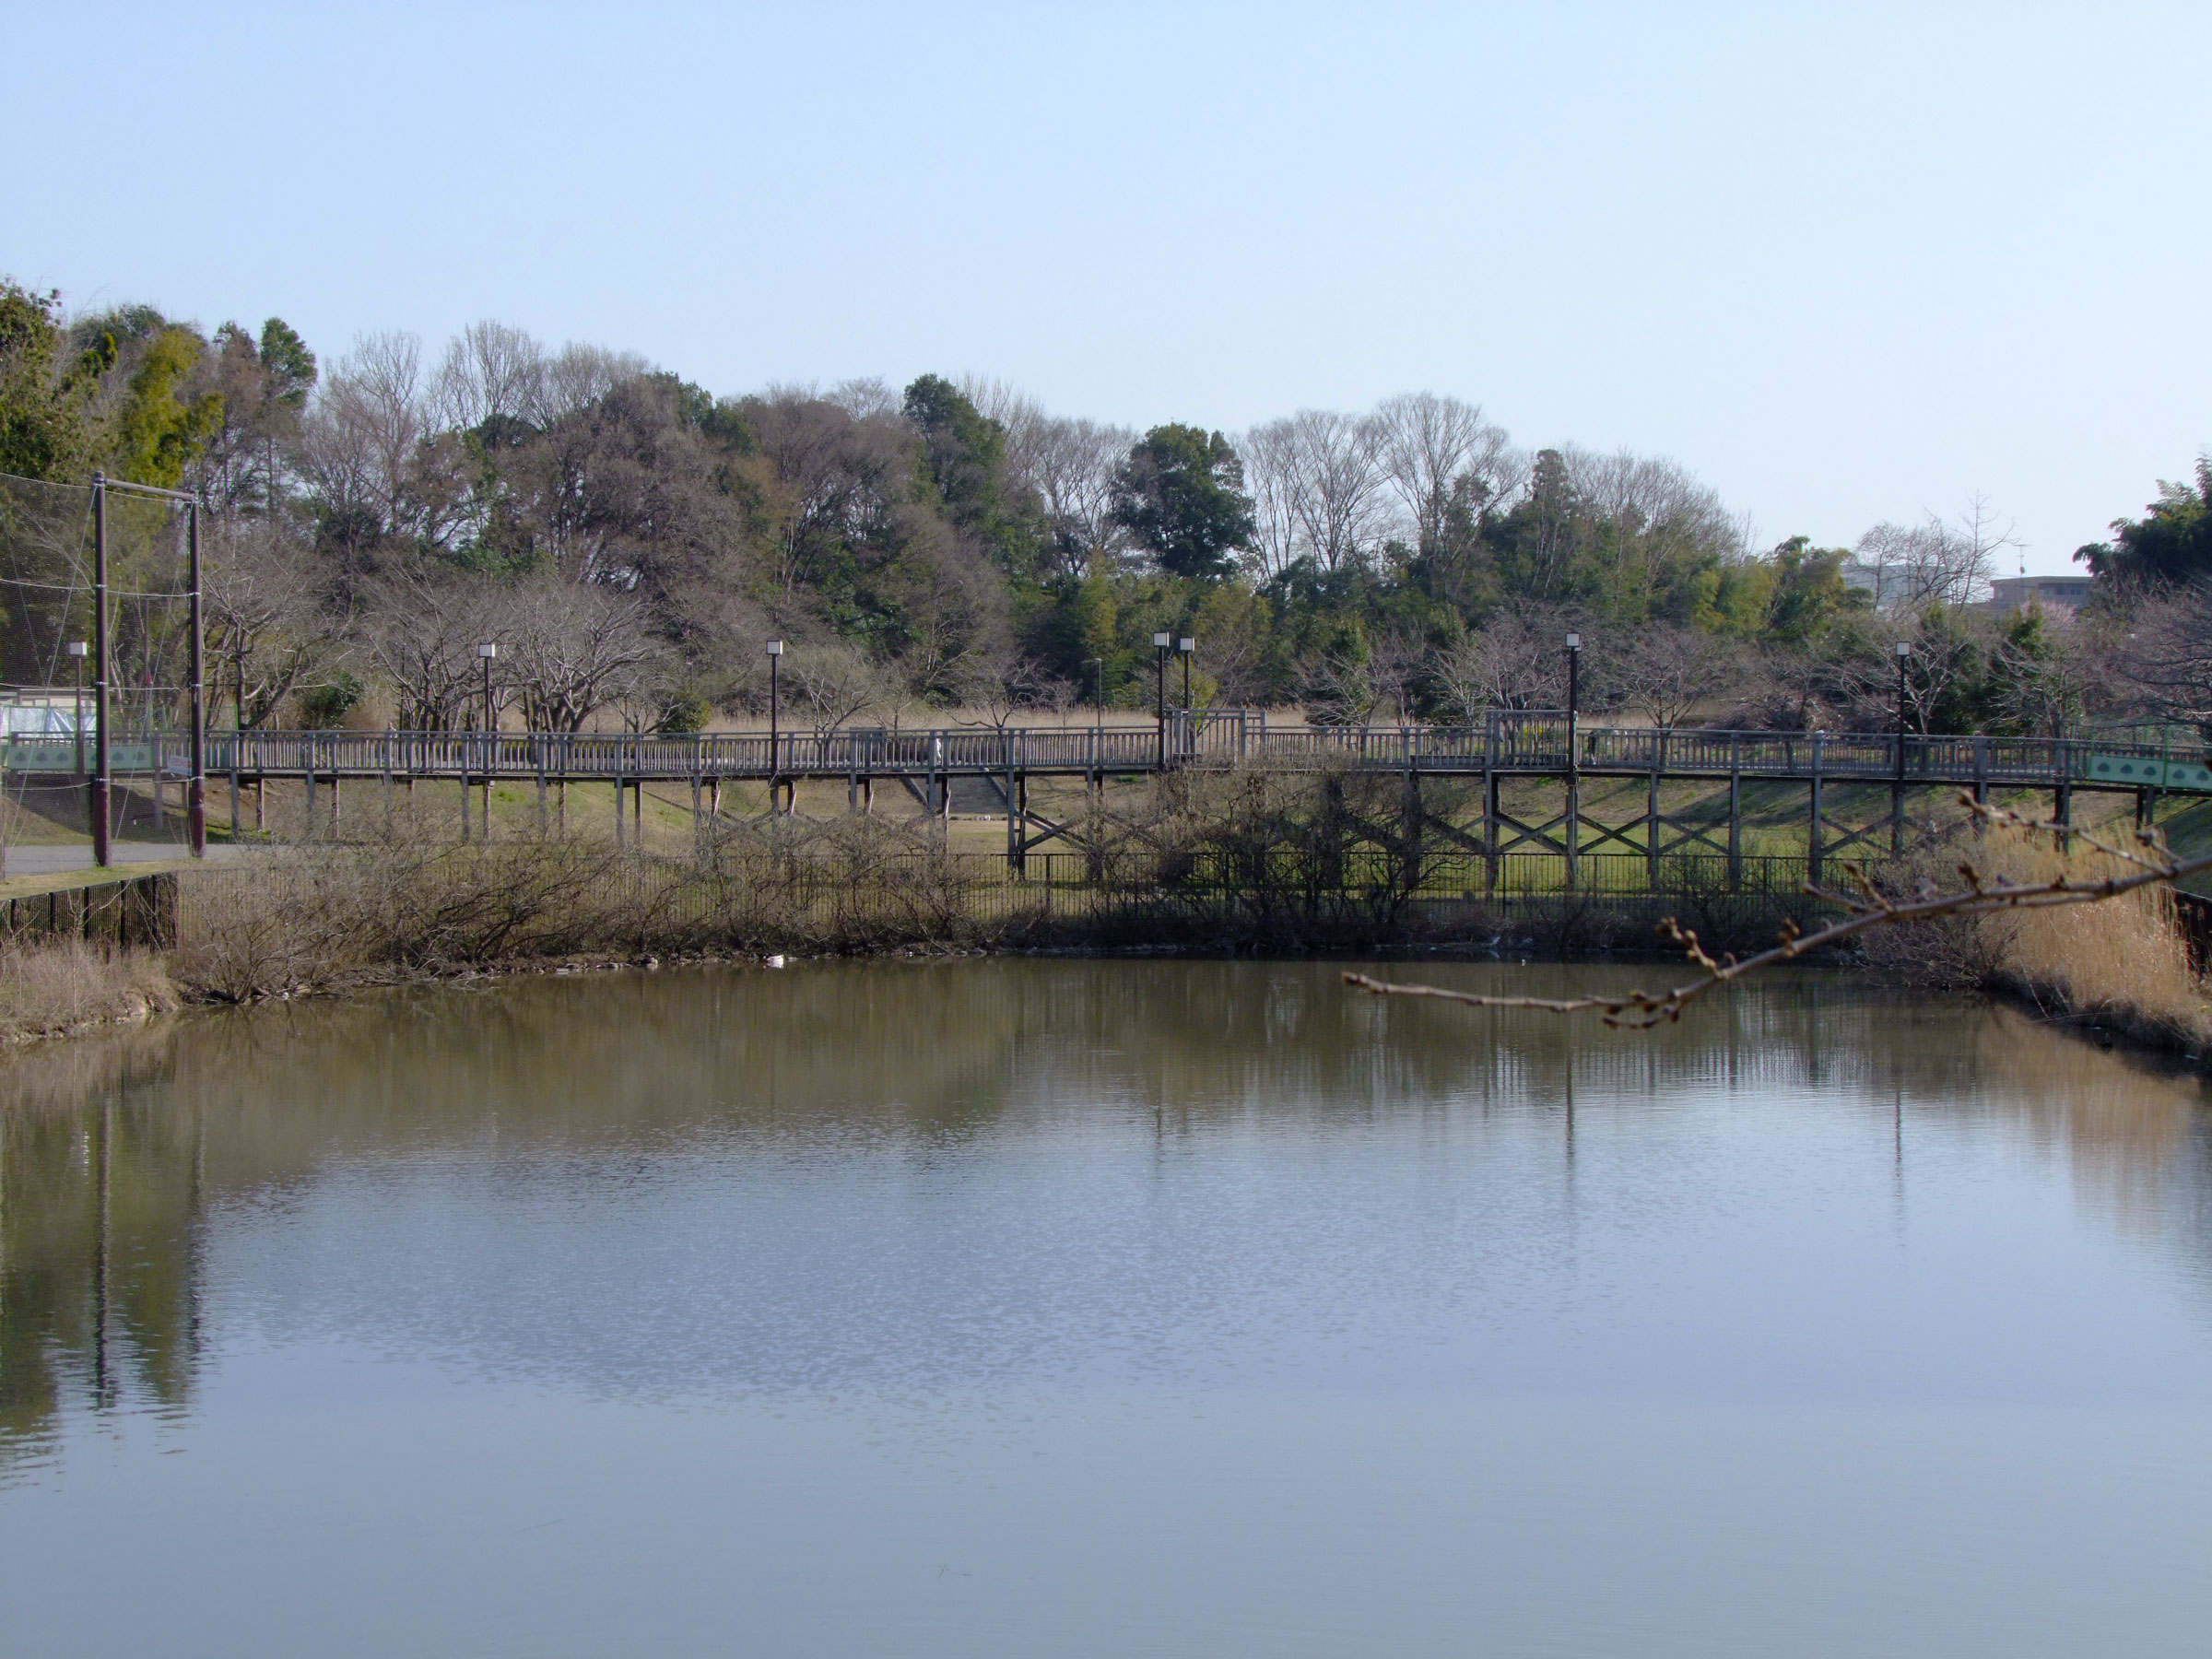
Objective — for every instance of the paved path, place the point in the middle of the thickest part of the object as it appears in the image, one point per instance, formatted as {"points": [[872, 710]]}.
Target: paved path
{"points": [[65, 860]]}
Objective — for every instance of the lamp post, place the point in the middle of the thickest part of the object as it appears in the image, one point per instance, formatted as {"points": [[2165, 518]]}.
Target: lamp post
{"points": [[1187, 646], [78, 648], [195, 811], [485, 654], [1574, 688], [775, 657], [1161, 642], [1897, 790], [98, 789]]}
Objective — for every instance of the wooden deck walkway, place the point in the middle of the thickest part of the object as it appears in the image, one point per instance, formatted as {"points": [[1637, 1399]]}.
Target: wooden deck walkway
{"points": [[1506, 746]]}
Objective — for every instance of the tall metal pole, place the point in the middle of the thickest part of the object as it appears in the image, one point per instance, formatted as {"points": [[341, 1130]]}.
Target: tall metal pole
{"points": [[100, 671], [775, 753], [196, 815]]}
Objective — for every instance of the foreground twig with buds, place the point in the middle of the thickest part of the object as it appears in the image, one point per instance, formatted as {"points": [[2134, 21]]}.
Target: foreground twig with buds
{"points": [[2147, 865]]}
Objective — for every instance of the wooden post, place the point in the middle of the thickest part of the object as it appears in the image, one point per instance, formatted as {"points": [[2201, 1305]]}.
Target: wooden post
{"points": [[1816, 834], [1575, 829], [1650, 825], [307, 830], [234, 796], [1013, 833], [1736, 811], [562, 787], [1490, 804], [335, 830], [260, 786], [1490, 834]]}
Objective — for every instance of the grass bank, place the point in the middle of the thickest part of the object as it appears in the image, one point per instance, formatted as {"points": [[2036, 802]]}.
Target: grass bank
{"points": [[59, 987]]}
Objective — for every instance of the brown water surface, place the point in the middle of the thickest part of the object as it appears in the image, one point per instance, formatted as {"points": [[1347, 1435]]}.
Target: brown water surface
{"points": [[1058, 1307]]}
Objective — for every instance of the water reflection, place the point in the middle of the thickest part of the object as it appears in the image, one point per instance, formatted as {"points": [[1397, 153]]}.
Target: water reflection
{"points": [[613, 1151]]}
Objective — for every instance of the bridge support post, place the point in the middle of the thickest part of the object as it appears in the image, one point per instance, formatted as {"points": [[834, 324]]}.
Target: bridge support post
{"points": [[1574, 829], [561, 801], [1651, 831], [307, 830], [1736, 811], [336, 830], [1816, 833], [1490, 834], [1490, 806], [234, 801]]}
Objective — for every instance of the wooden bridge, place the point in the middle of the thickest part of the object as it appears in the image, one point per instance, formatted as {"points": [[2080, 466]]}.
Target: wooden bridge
{"points": [[1505, 747]]}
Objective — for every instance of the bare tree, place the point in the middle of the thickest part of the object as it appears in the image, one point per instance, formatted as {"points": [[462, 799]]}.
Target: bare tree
{"points": [[1067, 466], [490, 373], [1428, 445], [1935, 561], [1666, 673], [1517, 662], [1270, 457], [422, 636], [572, 649], [266, 630], [1340, 499], [370, 449], [836, 684], [578, 376], [1658, 511], [2165, 655]]}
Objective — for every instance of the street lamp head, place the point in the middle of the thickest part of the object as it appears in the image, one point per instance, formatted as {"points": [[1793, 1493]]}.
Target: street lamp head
{"points": [[488, 651], [1904, 650], [1160, 642], [1574, 641], [77, 648], [776, 648], [1187, 646]]}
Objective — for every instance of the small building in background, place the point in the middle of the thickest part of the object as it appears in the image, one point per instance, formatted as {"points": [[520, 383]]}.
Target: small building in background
{"points": [[2061, 595]]}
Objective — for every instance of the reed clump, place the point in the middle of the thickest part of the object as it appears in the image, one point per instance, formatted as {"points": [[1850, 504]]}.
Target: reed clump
{"points": [[404, 904], [2120, 962], [52, 987]]}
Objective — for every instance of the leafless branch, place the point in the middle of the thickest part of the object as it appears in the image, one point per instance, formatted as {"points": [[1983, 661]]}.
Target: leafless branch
{"points": [[1640, 1011]]}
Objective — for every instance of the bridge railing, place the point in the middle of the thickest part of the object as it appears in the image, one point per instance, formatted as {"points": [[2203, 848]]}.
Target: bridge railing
{"points": [[1509, 740]]}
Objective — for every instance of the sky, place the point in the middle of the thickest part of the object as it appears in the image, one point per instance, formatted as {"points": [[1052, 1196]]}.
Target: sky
{"points": [[1846, 264]]}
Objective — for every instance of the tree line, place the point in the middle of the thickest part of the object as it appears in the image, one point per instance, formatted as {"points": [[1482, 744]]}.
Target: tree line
{"points": [[631, 540]]}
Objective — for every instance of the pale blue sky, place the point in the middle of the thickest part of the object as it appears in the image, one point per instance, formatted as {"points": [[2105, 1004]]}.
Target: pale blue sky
{"points": [[1843, 266]]}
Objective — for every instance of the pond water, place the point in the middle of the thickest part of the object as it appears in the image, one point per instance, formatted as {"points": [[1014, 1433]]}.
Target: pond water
{"points": [[1060, 1307]]}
